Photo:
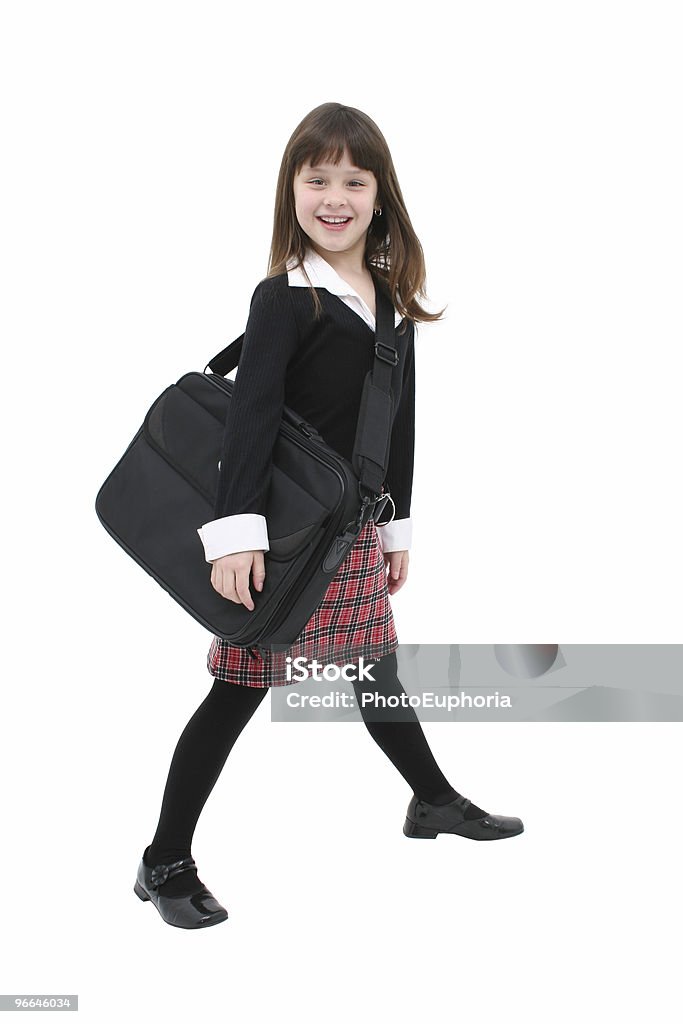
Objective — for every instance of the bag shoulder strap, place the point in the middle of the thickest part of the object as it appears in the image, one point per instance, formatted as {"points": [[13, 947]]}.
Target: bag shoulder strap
{"points": [[373, 434]]}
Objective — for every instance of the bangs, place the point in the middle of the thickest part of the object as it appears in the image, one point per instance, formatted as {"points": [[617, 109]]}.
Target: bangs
{"points": [[329, 148]]}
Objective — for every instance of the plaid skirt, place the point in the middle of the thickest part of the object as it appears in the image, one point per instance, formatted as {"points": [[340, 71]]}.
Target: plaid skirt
{"points": [[353, 619]]}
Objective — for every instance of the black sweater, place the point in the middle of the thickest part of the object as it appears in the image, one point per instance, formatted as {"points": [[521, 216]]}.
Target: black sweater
{"points": [[317, 368]]}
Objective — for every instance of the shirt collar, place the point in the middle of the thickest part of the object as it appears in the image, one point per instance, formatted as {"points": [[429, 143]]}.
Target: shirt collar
{"points": [[323, 275]]}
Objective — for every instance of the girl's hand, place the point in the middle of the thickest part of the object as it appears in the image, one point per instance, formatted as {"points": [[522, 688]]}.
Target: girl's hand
{"points": [[230, 576], [398, 569]]}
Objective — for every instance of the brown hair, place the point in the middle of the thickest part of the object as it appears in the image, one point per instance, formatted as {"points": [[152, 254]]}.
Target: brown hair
{"points": [[392, 249]]}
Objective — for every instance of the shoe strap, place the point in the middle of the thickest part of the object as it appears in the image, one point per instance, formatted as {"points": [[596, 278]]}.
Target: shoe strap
{"points": [[162, 872], [461, 802]]}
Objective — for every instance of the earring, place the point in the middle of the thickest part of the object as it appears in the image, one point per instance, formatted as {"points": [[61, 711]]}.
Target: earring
{"points": [[378, 211]]}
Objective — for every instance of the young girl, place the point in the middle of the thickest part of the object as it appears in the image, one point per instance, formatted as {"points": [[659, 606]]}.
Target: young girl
{"points": [[340, 226]]}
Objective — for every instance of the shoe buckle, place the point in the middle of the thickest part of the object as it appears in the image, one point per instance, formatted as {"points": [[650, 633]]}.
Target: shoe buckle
{"points": [[162, 872]]}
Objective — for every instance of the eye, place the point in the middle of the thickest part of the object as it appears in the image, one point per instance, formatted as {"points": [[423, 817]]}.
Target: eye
{"points": [[316, 181]]}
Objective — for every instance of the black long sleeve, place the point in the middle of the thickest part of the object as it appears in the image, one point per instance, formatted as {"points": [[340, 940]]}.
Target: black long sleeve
{"points": [[258, 396]]}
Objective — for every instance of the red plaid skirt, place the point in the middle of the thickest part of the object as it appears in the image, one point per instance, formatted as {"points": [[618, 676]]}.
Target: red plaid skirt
{"points": [[353, 619]]}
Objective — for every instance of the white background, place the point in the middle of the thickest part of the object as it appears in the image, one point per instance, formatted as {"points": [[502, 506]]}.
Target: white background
{"points": [[538, 148]]}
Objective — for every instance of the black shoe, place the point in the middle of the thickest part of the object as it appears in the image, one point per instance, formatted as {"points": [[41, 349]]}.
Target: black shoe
{"points": [[199, 910], [425, 821]]}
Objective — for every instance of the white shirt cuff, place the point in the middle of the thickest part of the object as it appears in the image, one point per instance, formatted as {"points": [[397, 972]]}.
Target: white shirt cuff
{"points": [[396, 535], [227, 536]]}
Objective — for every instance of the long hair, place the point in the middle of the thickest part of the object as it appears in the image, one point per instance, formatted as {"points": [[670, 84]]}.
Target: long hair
{"points": [[392, 249]]}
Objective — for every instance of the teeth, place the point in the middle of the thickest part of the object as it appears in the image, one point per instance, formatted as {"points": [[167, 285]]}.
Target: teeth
{"points": [[335, 220]]}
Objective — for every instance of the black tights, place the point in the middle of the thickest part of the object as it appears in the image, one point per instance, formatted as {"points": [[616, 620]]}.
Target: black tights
{"points": [[211, 732]]}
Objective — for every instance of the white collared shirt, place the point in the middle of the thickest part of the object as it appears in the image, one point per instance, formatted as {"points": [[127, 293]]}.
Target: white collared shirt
{"points": [[323, 275], [248, 531]]}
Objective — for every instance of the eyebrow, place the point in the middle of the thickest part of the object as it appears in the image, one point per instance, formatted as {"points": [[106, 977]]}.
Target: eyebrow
{"points": [[352, 170]]}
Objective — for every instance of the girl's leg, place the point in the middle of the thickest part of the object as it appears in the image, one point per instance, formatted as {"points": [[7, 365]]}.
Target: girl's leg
{"points": [[197, 762], [399, 734]]}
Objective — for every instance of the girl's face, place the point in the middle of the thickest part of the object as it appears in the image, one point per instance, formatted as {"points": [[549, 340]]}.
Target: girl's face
{"points": [[330, 192]]}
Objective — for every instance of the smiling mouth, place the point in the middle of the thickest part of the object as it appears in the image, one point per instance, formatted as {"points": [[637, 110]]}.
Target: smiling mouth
{"points": [[334, 222]]}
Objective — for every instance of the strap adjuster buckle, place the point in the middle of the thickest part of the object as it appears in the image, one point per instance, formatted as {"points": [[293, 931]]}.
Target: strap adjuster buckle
{"points": [[379, 509], [392, 358]]}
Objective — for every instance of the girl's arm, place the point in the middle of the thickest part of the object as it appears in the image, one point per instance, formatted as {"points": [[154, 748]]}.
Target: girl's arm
{"points": [[397, 535], [252, 426]]}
